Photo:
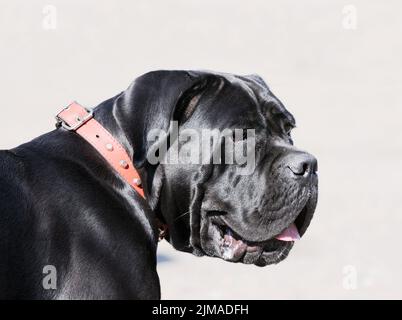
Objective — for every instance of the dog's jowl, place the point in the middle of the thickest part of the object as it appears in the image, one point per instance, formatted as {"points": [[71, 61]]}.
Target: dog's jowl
{"points": [[93, 197]]}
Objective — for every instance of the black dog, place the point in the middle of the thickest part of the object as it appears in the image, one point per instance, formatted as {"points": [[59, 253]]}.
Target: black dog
{"points": [[62, 205]]}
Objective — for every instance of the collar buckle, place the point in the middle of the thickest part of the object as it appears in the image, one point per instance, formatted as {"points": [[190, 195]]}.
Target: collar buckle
{"points": [[79, 120]]}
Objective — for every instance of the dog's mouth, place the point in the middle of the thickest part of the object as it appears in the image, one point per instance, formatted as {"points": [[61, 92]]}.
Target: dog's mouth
{"points": [[231, 246]]}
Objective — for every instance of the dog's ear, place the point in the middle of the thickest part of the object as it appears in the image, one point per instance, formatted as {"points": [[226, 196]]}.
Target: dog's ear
{"points": [[155, 99], [188, 100]]}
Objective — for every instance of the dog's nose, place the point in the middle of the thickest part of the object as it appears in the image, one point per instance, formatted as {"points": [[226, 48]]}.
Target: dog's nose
{"points": [[303, 164]]}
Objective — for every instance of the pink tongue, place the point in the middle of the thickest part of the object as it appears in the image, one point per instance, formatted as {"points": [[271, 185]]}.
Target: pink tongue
{"points": [[289, 234]]}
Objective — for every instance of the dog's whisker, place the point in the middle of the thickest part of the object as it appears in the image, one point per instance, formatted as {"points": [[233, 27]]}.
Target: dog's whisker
{"points": [[181, 216]]}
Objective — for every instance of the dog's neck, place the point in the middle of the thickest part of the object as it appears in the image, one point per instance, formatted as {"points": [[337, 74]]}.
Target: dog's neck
{"points": [[109, 115], [148, 104], [125, 121]]}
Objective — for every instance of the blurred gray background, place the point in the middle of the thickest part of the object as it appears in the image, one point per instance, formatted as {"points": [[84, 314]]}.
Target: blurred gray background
{"points": [[336, 65]]}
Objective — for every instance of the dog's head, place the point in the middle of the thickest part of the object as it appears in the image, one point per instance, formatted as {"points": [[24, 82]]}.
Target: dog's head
{"points": [[250, 212]]}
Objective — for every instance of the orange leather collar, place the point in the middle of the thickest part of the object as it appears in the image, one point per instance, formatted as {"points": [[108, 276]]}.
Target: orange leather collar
{"points": [[78, 119]]}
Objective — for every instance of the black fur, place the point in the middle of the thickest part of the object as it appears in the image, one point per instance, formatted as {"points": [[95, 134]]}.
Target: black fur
{"points": [[61, 204]]}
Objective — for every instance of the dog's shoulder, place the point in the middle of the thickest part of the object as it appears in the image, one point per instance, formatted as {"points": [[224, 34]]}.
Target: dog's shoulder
{"points": [[12, 168]]}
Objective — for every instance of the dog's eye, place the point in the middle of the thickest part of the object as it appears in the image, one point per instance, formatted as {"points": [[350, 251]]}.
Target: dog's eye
{"points": [[216, 213], [288, 128]]}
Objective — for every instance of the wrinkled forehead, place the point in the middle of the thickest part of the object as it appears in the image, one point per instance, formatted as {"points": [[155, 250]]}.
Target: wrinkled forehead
{"points": [[255, 94]]}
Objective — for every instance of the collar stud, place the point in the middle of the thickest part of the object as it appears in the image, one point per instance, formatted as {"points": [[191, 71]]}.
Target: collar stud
{"points": [[124, 164]]}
